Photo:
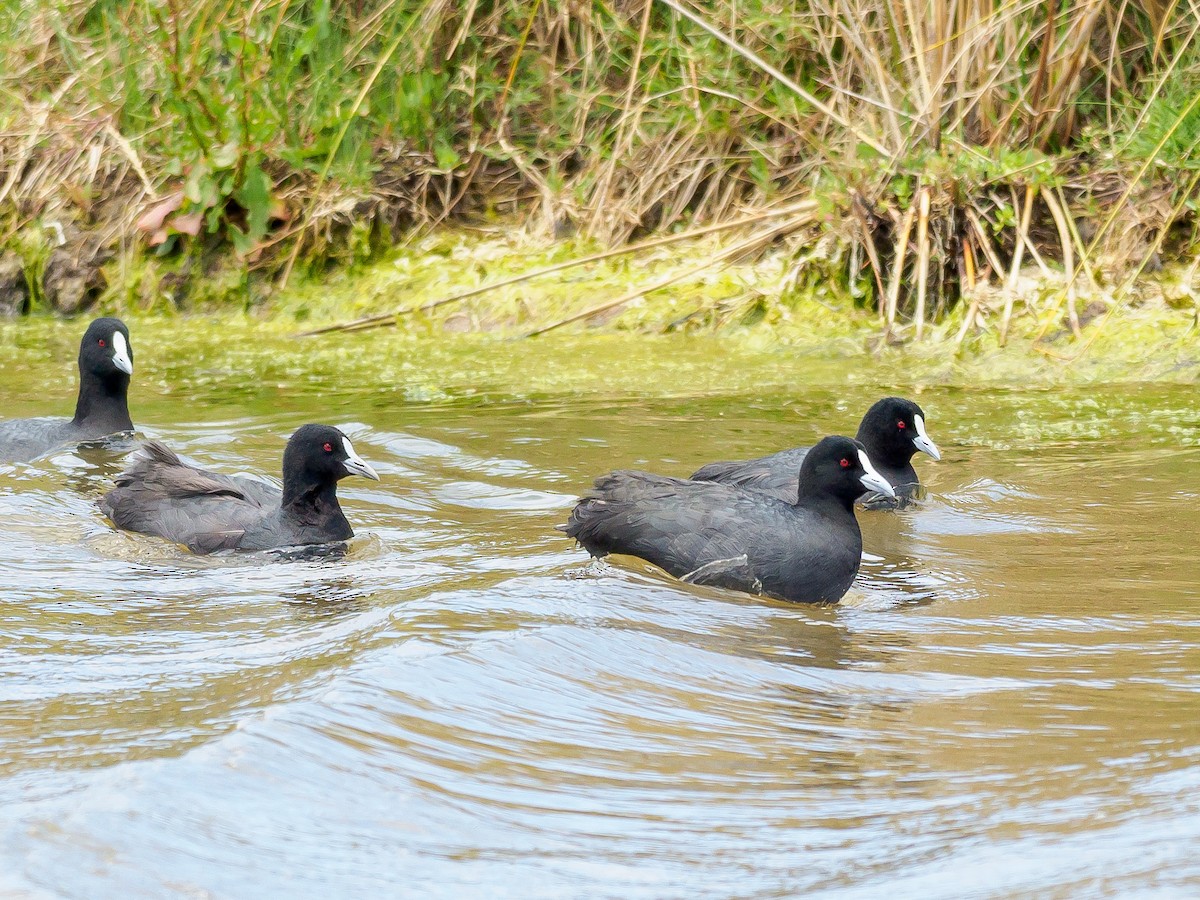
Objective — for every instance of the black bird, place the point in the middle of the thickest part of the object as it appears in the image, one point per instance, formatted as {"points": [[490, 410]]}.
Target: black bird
{"points": [[160, 494], [807, 551], [105, 364], [893, 430]]}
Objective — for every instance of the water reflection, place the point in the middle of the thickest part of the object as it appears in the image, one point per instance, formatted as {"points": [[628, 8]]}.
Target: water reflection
{"points": [[331, 597]]}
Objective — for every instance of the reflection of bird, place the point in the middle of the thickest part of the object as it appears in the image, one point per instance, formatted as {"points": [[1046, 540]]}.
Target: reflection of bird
{"points": [[717, 534], [327, 597], [893, 430], [160, 494], [105, 364]]}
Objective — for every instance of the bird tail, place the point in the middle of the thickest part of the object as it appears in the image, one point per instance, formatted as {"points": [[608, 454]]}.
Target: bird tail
{"points": [[608, 506], [152, 454]]}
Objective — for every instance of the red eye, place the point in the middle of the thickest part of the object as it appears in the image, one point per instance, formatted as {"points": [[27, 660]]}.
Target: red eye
{"points": [[845, 463], [329, 448], [101, 342], [901, 425]]}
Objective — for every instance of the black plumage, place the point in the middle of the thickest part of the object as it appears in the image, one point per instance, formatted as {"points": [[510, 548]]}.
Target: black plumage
{"points": [[102, 408], [807, 551], [161, 495], [893, 431]]}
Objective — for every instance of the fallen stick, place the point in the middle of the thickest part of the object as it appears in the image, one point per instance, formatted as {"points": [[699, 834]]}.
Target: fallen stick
{"points": [[379, 320], [735, 250]]}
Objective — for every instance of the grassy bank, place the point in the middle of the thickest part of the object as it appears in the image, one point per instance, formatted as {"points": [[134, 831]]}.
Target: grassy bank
{"points": [[461, 288], [929, 164]]}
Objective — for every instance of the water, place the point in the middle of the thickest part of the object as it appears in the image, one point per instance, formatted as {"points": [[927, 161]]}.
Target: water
{"points": [[1006, 704]]}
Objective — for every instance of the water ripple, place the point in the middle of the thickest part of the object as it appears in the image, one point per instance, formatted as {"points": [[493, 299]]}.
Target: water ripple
{"points": [[458, 702]]}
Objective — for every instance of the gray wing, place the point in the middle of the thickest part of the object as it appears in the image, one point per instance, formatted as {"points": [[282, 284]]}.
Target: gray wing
{"points": [[777, 475], [160, 494], [22, 440], [266, 495]]}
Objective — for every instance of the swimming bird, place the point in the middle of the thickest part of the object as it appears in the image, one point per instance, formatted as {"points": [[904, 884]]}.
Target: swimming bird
{"points": [[105, 364], [162, 495], [893, 431], [702, 532]]}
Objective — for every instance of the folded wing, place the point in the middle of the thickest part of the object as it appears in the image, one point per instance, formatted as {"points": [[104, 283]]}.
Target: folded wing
{"points": [[160, 494], [776, 475]]}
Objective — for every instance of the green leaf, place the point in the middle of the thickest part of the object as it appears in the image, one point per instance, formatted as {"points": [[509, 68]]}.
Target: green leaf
{"points": [[225, 156], [254, 196], [193, 185], [865, 151], [212, 220], [447, 159], [242, 242]]}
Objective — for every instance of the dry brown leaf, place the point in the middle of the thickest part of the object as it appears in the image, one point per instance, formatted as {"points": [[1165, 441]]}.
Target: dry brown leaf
{"points": [[189, 224], [152, 220]]}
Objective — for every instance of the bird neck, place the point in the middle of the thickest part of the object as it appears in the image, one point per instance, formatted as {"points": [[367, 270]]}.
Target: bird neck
{"points": [[104, 402], [821, 499], [311, 501]]}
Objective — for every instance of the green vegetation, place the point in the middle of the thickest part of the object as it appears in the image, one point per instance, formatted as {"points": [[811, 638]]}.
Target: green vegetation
{"points": [[947, 165]]}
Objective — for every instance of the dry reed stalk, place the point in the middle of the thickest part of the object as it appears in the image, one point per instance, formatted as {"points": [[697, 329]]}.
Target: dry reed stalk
{"points": [[869, 58], [1041, 76], [627, 123], [962, 63], [1068, 257], [41, 117], [985, 245], [1010, 286], [1077, 241], [968, 258], [918, 50], [943, 41], [922, 259], [130, 154], [997, 26], [872, 254], [1071, 70], [1023, 236], [898, 266]]}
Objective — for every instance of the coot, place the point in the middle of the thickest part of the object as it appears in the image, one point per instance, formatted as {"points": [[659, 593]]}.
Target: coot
{"points": [[893, 430], [160, 494], [703, 532], [105, 364]]}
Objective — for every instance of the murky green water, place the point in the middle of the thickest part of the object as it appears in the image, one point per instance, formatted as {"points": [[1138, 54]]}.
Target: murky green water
{"points": [[1006, 704]]}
